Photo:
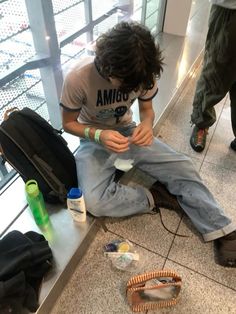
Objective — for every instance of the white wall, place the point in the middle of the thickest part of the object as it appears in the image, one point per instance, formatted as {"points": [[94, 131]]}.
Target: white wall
{"points": [[177, 16]]}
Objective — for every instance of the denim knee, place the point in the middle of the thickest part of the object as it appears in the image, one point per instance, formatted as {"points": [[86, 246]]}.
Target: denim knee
{"points": [[93, 206]]}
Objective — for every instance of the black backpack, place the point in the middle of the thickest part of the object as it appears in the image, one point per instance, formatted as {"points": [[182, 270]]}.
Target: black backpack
{"points": [[38, 151]]}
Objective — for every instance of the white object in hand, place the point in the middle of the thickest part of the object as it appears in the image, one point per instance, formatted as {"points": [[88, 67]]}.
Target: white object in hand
{"points": [[123, 164]]}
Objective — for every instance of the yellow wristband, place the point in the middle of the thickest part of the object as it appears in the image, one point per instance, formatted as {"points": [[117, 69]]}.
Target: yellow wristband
{"points": [[97, 136], [86, 133]]}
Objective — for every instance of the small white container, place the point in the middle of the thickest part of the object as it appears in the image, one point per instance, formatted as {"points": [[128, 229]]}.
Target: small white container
{"points": [[76, 204]]}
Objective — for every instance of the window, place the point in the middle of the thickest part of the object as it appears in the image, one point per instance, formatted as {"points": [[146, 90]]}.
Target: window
{"points": [[38, 40]]}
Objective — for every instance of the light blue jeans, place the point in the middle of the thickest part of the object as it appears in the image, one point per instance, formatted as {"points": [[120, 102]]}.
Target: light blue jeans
{"points": [[104, 197]]}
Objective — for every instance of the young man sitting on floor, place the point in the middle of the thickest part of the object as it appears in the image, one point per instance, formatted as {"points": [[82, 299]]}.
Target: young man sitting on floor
{"points": [[96, 106]]}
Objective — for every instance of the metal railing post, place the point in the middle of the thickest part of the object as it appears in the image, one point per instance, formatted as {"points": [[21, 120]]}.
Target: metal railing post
{"points": [[44, 34]]}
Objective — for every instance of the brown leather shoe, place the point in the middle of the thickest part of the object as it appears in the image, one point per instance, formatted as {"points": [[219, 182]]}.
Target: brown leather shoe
{"points": [[163, 198], [198, 139], [225, 250]]}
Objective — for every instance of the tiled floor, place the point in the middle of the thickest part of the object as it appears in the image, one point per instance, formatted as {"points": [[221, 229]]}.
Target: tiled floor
{"points": [[97, 287]]}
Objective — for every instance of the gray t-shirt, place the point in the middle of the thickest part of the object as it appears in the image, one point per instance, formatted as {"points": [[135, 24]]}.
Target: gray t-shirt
{"points": [[229, 4], [99, 102]]}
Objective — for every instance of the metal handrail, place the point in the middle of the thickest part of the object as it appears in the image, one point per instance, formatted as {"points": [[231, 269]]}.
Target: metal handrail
{"points": [[35, 63]]}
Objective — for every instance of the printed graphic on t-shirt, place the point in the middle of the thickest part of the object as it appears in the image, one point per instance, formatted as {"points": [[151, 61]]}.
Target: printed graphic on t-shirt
{"points": [[109, 97], [112, 113]]}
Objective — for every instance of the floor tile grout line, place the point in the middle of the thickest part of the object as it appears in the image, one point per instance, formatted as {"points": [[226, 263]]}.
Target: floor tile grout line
{"points": [[221, 167], [172, 260], [213, 133], [201, 274], [174, 236], [172, 243], [137, 244]]}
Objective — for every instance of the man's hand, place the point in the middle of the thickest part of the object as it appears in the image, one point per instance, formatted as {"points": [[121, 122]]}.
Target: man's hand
{"points": [[114, 141], [143, 134]]}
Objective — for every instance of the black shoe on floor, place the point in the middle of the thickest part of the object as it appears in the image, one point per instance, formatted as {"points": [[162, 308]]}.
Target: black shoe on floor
{"points": [[233, 144], [198, 139], [225, 250], [163, 198]]}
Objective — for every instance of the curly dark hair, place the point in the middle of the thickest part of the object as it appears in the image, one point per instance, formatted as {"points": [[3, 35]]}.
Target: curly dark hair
{"points": [[128, 52]]}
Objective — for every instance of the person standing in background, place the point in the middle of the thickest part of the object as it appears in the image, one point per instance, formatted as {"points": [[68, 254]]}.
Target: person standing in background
{"points": [[218, 76]]}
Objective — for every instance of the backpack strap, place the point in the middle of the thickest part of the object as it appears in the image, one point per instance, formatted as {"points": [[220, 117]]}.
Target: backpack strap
{"points": [[8, 111]]}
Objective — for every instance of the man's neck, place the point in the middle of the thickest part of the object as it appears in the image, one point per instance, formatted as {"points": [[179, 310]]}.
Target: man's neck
{"points": [[98, 68]]}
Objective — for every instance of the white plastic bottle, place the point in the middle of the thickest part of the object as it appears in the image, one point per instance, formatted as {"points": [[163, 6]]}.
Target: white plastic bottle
{"points": [[76, 204]]}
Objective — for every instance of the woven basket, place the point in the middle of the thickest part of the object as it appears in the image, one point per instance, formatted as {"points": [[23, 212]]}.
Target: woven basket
{"points": [[142, 297]]}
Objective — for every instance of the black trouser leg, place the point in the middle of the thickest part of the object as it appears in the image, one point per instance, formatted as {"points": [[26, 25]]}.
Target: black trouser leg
{"points": [[232, 94], [219, 67]]}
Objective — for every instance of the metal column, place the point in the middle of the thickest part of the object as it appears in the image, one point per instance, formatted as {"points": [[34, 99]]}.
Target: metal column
{"points": [[42, 24]]}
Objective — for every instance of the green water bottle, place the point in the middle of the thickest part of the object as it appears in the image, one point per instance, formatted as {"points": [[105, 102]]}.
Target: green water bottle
{"points": [[36, 203]]}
